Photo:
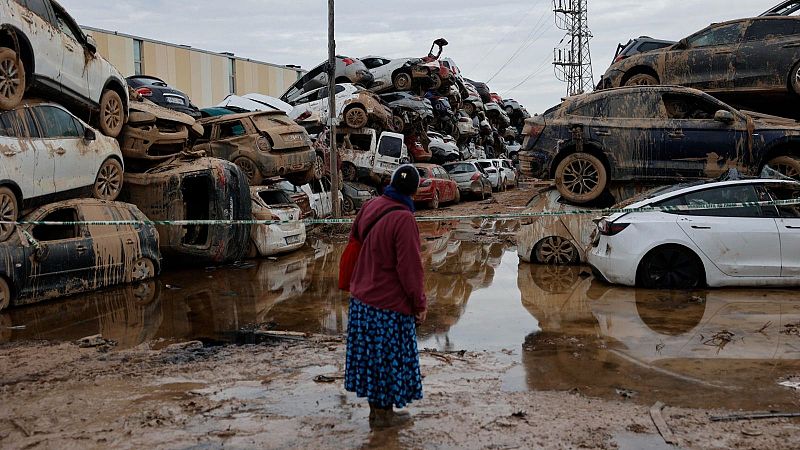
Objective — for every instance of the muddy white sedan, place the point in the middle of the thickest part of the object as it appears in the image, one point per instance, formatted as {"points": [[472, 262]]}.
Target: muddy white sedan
{"points": [[750, 245], [272, 203]]}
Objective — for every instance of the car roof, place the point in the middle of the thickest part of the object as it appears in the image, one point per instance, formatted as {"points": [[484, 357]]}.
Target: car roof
{"points": [[695, 187], [217, 114]]}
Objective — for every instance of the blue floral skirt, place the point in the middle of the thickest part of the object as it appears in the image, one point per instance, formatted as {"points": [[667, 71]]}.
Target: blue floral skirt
{"points": [[382, 357]]}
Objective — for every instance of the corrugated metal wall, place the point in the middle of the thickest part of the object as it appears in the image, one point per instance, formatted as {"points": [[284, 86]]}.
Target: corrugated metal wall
{"points": [[203, 76]]}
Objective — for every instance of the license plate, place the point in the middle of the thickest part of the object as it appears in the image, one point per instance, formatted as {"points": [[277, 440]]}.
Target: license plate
{"points": [[175, 100], [293, 240], [293, 138]]}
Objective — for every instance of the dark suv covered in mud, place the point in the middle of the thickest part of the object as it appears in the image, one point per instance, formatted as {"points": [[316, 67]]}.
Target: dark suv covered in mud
{"points": [[654, 133], [747, 56]]}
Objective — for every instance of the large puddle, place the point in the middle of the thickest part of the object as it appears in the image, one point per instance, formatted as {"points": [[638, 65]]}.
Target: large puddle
{"points": [[717, 348]]}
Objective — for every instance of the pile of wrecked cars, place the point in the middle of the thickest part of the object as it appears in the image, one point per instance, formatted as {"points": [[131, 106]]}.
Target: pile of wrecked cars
{"points": [[109, 164], [657, 133]]}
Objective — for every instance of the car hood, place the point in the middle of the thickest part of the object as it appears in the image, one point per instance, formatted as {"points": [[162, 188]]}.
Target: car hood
{"points": [[766, 120]]}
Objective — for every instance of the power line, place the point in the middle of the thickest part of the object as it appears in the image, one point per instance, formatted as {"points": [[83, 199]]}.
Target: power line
{"points": [[505, 36], [527, 43]]}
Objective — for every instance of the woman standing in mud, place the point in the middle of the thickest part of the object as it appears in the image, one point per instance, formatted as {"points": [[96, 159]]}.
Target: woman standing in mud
{"points": [[388, 300]]}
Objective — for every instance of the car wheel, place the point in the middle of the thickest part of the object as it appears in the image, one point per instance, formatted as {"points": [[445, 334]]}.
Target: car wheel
{"points": [[642, 79], [356, 117], [398, 124], [469, 108], [510, 111], [436, 81], [348, 206], [5, 294], [671, 267], [142, 269], [108, 183], [319, 167], [349, 172], [457, 200], [12, 79], [795, 79], [112, 114], [786, 165], [402, 81], [250, 170], [434, 204], [581, 178], [9, 212], [556, 251]]}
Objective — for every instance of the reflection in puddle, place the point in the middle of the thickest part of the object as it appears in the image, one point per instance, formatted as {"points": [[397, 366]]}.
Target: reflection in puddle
{"points": [[722, 348]]}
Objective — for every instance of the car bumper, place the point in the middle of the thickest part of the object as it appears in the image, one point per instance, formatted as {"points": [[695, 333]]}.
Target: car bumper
{"points": [[279, 238], [424, 194], [612, 263], [535, 163], [284, 162]]}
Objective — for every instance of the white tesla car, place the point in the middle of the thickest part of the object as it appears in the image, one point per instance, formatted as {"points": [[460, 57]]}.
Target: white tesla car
{"points": [[743, 246]]}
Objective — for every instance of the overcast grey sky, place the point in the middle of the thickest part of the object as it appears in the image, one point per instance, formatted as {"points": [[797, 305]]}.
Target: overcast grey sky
{"points": [[483, 35]]}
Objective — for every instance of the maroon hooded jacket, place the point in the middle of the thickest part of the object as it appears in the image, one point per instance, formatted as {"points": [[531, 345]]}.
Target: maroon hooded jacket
{"points": [[389, 273]]}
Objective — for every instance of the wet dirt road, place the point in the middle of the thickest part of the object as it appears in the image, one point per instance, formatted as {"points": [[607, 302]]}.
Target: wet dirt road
{"points": [[526, 329]]}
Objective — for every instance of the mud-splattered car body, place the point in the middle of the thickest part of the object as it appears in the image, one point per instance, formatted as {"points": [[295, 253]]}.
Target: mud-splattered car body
{"points": [[264, 144], [759, 55], [356, 108], [156, 133], [41, 261], [656, 133], [366, 155], [271, 203], [355, 196], [195, 189]]}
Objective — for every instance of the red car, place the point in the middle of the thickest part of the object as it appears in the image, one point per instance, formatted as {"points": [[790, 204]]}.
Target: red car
{"points": [[435, 186]]}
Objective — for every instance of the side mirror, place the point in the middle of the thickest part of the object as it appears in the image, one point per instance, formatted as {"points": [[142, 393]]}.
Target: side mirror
{"points": [[91, 44], [724, 116], [40, 250], [89, 134]]}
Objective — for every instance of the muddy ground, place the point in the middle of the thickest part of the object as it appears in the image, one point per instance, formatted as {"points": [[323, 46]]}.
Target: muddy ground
{"points": [[521, 357]]}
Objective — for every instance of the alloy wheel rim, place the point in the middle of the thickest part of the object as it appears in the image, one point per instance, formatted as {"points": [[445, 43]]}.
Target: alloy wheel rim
{"points": [[142, 270], [348, 205], [9, 78], [112, 112], [356, 116], [248, 168], [556, 250], [8, 213], [108, 182], [318, 167], [581, 177], [672, 269], [403, 81]]}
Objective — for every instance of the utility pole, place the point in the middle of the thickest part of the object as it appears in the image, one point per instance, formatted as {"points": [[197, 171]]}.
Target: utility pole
{"points": [[334, 148], [573, 61]]}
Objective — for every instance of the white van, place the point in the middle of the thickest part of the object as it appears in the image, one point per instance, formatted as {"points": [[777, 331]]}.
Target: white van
{"points": [[367, 156]]}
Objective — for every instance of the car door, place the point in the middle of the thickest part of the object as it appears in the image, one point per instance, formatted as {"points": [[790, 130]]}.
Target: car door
{"points": [[740, 242], [706, 59], [65, 260], [62, 138], [112, 245], [697, 144], [44, 38], [769, 50], [22, 159], [630, 127], [74, 73], [231, 136], [389, 153], [789, 228]]}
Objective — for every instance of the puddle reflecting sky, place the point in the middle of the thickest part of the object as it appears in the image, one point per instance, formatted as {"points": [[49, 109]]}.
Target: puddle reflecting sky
{"points": [[725, 348]]}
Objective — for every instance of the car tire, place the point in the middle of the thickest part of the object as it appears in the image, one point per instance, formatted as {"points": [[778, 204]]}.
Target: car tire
{"points": [[398, 124], [581, 178], [109, 180], [12, 79], [434, 204], [436, 81], [250, 170], [141, 270], [509, 111], [348, 206], [112, 114], [319, 167], [349, 172], [469, 108], [403, 81], [556, 251], [670, 267], [9, 212], [794, 80], [786, 165], [5, 294], [642, 79], [356, 117], [457, 200]]}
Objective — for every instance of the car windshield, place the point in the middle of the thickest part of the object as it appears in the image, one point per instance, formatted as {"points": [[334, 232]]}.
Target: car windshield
{"points": [[653, 193], [460, 168], [274, 197]]}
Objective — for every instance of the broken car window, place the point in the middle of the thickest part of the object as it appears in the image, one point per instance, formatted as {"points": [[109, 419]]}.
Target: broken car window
{"points": [[786, 193], [47, 233], [231, 129], [723, 35], [56, 123], [8, 124]]}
